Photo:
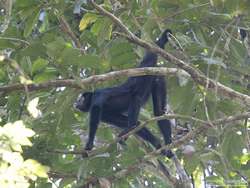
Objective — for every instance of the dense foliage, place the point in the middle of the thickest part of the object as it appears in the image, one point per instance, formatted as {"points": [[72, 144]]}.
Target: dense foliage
{"points": [[44, 40]]}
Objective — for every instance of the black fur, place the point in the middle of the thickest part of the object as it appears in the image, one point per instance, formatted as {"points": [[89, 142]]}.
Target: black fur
{"points": [[120, 105], [243, 34]]}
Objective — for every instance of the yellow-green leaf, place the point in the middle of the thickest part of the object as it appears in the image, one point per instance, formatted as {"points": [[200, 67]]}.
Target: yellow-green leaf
{"points": [[36, 168], [87, 19]]}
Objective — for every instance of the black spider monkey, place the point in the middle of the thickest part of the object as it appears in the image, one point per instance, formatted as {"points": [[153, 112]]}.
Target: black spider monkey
{"points": [[120, 105]]}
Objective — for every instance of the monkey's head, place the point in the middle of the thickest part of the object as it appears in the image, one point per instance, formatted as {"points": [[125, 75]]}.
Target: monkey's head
{"points": [[164, 38], [166, 33], [83, 101]]}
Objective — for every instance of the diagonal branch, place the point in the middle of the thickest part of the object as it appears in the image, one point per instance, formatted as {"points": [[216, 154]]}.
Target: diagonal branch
{"points": [[196, 75], [141, 162], [66, 28], [204, 126]]}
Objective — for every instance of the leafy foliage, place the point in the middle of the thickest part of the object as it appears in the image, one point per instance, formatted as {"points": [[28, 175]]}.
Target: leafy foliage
{"points": [[15, 171], [44, 48]]}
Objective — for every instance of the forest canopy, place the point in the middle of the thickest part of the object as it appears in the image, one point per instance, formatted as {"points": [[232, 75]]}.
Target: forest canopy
{"points": [[52, 50]]}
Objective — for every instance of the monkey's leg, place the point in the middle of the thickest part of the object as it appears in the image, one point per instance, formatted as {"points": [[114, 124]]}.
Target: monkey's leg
{"points": [[159, 103], [95, 117], [121, 121]]}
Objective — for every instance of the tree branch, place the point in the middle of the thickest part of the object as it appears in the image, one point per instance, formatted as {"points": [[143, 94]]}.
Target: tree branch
{"points": [[66, 28], [93, 79], [204, 126], [140, 162], [60, 175], [196, 75], [95, 152]]}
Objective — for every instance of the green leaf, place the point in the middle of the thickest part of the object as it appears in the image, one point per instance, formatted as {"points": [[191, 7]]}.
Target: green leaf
{"points": [[36, 168], [102, 28], [70, 56], [150, 25], [39, 65], [31, 22], [88, 37], [55, 48], [95, 29], [132, 152], [105, 134], [105, 31], [232, 146], [121, 53], [120, 47], [215, 180], [35, 50], [124, 59], [87, 19], [2, 75], [92, 61], [24, 3], [45, 185], [48, 74], [192, 163]]}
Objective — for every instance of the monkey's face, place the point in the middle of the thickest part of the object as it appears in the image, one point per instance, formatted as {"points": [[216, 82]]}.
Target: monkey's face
{"points": [[83, 102], [167, 33]]}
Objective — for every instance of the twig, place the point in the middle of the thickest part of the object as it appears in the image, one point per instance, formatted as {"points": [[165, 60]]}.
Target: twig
{"points": [[22, 105], [66, 28], [60, 175], [15, 39], [186, 9], [166, 172]]}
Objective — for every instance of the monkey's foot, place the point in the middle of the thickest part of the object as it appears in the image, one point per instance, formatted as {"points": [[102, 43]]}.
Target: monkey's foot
{"points": [[168, 153], [122, 142], [89, 146]]}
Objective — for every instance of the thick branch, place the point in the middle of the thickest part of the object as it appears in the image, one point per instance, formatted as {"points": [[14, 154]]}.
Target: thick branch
{"points": [[197, 76], [93, 79]]}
